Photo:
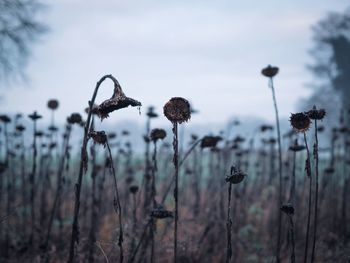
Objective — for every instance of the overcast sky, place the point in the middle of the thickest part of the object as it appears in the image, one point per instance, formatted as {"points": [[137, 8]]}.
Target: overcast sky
{"points": [[210, 52]]}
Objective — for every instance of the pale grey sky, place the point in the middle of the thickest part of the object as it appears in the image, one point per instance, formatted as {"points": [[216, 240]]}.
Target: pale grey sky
{"points": [[210, 52]]}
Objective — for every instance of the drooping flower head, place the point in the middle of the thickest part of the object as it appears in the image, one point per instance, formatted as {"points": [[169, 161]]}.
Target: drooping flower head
{"points": [[236, 176], [116, 102]]}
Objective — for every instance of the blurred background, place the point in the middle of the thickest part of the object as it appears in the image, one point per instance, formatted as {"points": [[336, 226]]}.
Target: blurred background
{"points": [[208, 52]]}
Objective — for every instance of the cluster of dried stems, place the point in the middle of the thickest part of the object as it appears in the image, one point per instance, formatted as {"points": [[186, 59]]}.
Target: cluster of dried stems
{"points": [[114, 204]]}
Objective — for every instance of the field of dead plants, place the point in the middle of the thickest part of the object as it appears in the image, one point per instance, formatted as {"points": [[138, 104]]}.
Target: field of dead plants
{"points": [[276, 196]]}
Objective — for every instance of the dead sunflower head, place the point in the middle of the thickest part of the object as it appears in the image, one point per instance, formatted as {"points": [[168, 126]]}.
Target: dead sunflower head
{"points": [[52, 104], [236, 176], [269, 71], [177, 110], [133, 189], [316, 114], [20, 128], [161, 213], [300, 121], [5, 118], [266, 127], [117, 102], [74, 118], [150, 112], [98, 137], [288, 209], [34, 116], [210, 141], [157, 134], [238, 139], [297, 147]]}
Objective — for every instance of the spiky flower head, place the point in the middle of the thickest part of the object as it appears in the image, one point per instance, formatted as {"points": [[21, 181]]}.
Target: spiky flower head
{"points": [[53, 104], [300, 121], [116, 102], [177, 110], [270, 71], [316, 114]]}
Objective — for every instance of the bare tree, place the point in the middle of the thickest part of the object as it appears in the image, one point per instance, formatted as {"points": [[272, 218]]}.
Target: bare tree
{"points": [[19, 28], [331, 67]]}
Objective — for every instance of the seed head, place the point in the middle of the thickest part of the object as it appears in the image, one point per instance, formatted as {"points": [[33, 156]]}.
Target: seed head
{"points": [[39, 133], [210, 141], [316, 114], [266, 127], [288, 209], [150, 112], [112, 135], [296, 147], [270, 71], [133, 189], [52, 104], [161, 213], [34, 116], [53, 128], [300, 122], [177, 110], [74, 118], [117, 102], [5, 118], [236, 176], [238, 139], [157, 134], [98, 137], [20, 128]]}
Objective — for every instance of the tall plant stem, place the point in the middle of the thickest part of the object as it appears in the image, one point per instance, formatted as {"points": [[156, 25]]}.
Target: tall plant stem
{"points": [[316, 195], [292, 187], [32, 185], [117, 206], [309, 202], [229, 226], [292, 258], [59, 186], [82, 169], [278, 247], [176, 164]]}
